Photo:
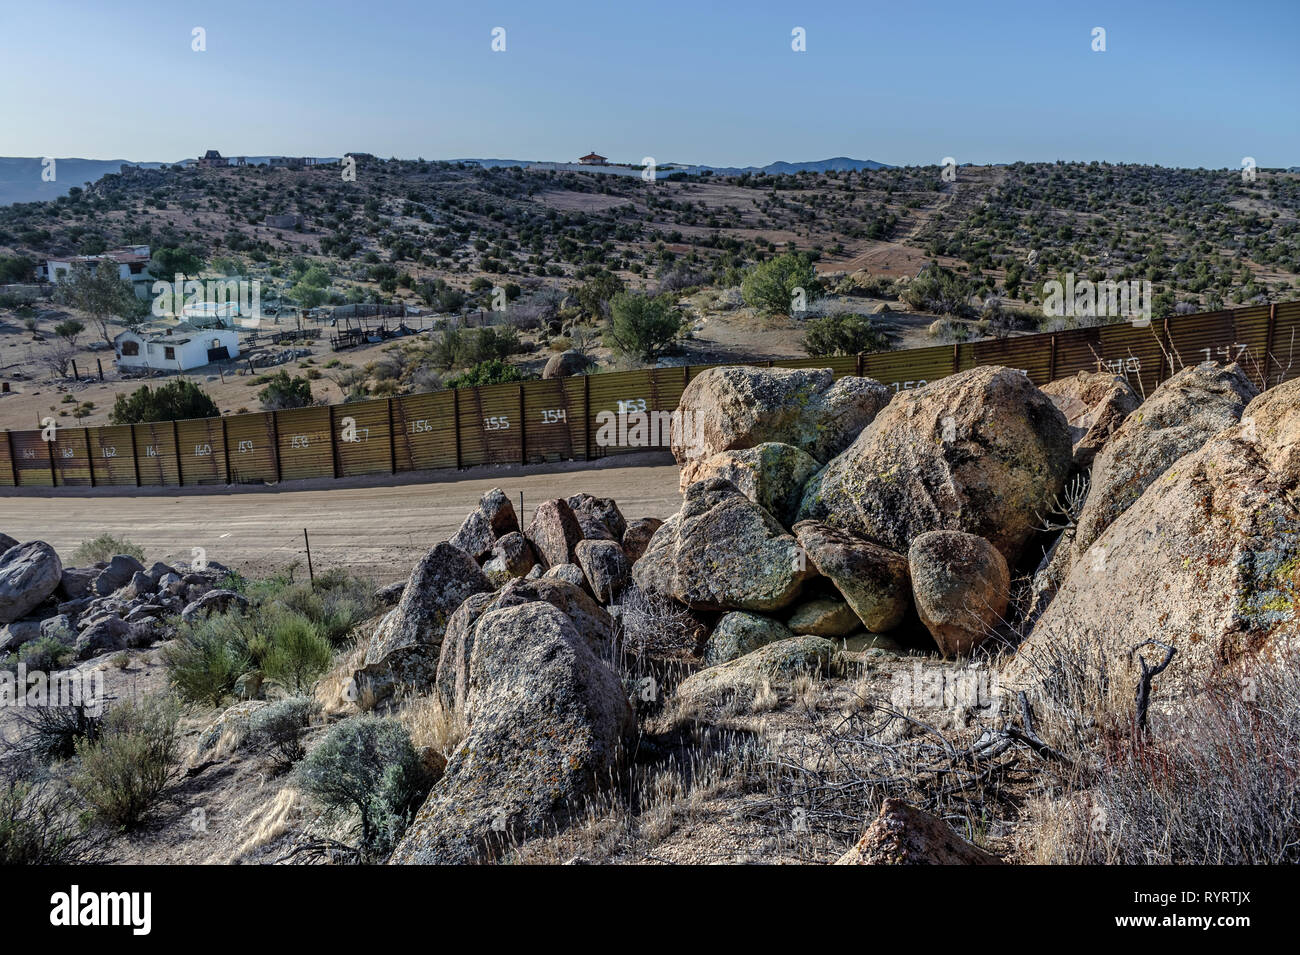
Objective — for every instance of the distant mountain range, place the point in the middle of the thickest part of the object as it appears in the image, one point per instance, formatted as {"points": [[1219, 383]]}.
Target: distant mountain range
{"points": [[838, 164]]}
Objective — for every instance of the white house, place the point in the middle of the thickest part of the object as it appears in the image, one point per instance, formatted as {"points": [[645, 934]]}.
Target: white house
{"points": [[178, 347], [132, 265]]}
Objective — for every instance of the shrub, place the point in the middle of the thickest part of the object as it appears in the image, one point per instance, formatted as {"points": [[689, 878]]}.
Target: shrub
{"points": [[939, 290], [207, 658], [123, 773], [43, 653], [53, 732], [297, 652], [367, 767], [39, 822], [641, 326], [174, 401], [285, 392], [842, 335], [104, 548], [278, 728], [770, 286], [491, 372]]}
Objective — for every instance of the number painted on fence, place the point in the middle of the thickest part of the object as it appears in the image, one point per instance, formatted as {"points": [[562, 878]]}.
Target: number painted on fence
{"points": [[554, 415], [244, 447], [151, 451], [202, 450], [497, 423], [67, 452], [421, 426], [29, 454], [298, 441], [109, 451], [909, 385], [1226, 352], [631, 405]]}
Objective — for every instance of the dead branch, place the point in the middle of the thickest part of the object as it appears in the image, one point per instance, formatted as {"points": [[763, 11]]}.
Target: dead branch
{"points": [[1149, 673]]}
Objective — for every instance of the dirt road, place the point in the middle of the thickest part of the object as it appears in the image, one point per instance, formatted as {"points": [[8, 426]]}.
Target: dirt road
{"points": [[374, 530]]}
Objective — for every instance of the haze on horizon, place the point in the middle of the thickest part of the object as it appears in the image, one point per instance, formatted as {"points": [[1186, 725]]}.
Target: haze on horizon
{"points": [[1179, 84]]}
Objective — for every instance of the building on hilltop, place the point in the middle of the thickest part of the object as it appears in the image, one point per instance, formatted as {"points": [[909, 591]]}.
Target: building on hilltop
{"points": [[132, 266], [593, 159], [212, 159]]}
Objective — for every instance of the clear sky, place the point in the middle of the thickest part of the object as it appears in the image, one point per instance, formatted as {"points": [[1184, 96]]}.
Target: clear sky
{"points": [[1181, 83]]}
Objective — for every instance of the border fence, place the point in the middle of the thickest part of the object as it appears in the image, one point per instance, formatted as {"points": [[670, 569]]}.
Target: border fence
{"points": [[555, 419]]}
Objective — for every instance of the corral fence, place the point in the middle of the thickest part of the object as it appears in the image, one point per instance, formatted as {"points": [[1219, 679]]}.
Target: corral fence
{"points": [[556, 419]]}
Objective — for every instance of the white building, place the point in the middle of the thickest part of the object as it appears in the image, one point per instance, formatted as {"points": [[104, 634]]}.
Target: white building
{"points": [[132, 265], [178, 347]]}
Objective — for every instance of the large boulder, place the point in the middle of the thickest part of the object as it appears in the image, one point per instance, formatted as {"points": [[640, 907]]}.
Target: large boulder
{"points": [[547, 720], [637, 537], [117, 574], [961, 585], [872, 579], [605, 566], [1179, 417], [29, 574], [493, 518], [743, 678], [103, 634], [566, 364], [512, 556], [727, 409], [738, 633], [982, 451], [1207, 559], [604, 510], [824, 617], [589, 618], [771, 475], [14, 634], [554, 532], [6, 542], [1095, 404], [78, 582], [404, 648], [722, 551], [214, 601], [904, 835]]}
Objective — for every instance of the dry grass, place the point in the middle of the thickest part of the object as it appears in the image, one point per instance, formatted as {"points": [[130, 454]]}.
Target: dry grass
{"points": [[431, 725]]}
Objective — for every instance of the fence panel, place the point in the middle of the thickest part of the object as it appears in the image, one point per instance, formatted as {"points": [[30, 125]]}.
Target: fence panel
{"points": [[6, 463], [548, 415], [906, 370], [305, 443], [1034, 357], [32, 459], [490, 425], [155, 454], [1133, 353], [252, 448], [424, 431], [622, 410], [1196, 338], [361, 435], [203, 451], [72, 457], [110, 455], [1284, 351]]}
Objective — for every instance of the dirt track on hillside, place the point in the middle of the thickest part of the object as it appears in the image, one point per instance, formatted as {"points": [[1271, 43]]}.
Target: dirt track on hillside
{"points": [[379, 531]]}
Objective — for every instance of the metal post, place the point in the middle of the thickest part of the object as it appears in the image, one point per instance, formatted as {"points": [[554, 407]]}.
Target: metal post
{"points": [[310, 573]]}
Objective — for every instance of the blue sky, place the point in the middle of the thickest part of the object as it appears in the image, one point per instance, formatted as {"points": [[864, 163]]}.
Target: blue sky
{"points": [[1180, 83]]}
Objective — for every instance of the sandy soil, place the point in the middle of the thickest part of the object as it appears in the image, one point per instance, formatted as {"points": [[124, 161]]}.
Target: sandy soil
{"points": [[373, 527]]}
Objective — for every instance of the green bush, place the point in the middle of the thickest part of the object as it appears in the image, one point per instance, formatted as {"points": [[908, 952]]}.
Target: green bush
{"points": [[770, 286], [842, 335], [642, 326], [207, 658], [104, 548], [123, 773], [284, 392], [367, 767], [492, 372], [278, 728], [941, 291], [174, 401], [296, 652], [40, 824]]}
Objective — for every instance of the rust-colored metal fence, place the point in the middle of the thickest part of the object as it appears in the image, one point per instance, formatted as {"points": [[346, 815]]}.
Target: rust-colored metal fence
{"points": [[572, 418]]}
